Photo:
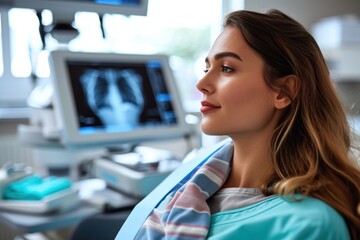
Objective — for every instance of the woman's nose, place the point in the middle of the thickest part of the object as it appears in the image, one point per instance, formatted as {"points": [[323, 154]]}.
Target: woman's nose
{"points": [[204, 85]]}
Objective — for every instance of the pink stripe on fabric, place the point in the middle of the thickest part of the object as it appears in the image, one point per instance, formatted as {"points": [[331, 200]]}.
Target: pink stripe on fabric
{"points": [[155, 218], [192, 198], [185, 235], [187, 231], [173, 201], [187, 225]]}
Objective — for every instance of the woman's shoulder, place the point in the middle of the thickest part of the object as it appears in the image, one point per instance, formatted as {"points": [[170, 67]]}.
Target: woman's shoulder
{"points": [[297, 202], [295, 218], [312, 213], [310, 208]]}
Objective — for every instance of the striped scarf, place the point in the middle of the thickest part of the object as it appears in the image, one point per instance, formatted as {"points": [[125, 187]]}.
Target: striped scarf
{"points": [[184, 213]]}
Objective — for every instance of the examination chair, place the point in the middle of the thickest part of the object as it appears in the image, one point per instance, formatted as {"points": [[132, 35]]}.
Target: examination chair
{"points": [[102, 226]]}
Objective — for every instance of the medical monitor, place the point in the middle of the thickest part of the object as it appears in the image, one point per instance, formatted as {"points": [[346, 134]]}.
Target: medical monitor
{"points": [[125, 7], [108, 98]]}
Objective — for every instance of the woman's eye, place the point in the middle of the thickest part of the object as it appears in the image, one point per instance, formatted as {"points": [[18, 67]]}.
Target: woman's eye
{"points": [[226, 69], [206, 70]]}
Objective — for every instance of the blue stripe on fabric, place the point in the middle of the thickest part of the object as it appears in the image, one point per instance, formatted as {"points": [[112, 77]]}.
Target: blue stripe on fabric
{"points": [[146, 234], [220, 164], [187, 216], [205, 184], [225, 153]]}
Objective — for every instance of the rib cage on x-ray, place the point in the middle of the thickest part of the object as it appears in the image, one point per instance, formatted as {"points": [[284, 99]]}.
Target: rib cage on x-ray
{"points": [[115, 96]]}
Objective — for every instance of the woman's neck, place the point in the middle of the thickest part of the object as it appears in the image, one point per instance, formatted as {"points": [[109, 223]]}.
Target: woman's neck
{"points": [[252, 164]]}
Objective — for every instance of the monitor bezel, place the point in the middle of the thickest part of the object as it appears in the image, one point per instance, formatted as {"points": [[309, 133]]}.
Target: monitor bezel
{"points": [[66, 112], [71, 7]]}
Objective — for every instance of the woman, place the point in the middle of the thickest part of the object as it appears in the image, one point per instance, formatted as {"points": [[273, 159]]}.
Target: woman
{"points": [[287, 172]]}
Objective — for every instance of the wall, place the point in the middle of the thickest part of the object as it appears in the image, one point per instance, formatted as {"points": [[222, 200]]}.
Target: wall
{"points": [[307, 12]]}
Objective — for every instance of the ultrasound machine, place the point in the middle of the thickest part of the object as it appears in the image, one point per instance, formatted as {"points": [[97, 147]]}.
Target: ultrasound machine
{"points": [[104, 106]]}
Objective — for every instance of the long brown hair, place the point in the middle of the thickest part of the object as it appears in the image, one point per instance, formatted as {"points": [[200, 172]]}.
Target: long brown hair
{"points": [[311, 144]]}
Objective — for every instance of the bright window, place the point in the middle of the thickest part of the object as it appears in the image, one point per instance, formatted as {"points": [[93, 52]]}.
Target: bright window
{"points": [[183, 29], [1, 53]]}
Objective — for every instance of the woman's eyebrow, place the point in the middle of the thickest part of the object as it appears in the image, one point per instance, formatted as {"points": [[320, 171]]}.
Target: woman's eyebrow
{"points": [[224, 54]]}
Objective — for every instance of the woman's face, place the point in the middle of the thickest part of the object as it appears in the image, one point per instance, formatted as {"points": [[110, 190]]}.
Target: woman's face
{"points": [[236, 99]]}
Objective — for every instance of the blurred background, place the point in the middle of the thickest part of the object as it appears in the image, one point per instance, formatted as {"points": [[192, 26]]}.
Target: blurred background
{"points": [[182, 29]]}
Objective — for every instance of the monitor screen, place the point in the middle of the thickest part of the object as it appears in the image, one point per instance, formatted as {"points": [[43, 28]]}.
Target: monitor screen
{"points": [[125, 7], [108, 98]]}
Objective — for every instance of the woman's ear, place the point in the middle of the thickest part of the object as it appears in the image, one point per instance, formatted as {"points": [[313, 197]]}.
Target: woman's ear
{"points": [[286, 91]]}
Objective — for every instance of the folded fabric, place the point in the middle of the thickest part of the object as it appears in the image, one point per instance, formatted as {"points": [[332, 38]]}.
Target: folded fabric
{"points": [[184, 213], [35, 188]]}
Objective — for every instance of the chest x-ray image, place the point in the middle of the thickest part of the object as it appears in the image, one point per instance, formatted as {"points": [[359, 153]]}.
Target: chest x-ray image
{"points": [[115, 96]]}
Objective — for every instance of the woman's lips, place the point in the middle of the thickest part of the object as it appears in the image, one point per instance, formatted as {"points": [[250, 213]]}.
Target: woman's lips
{"points": [[207, 107]]}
